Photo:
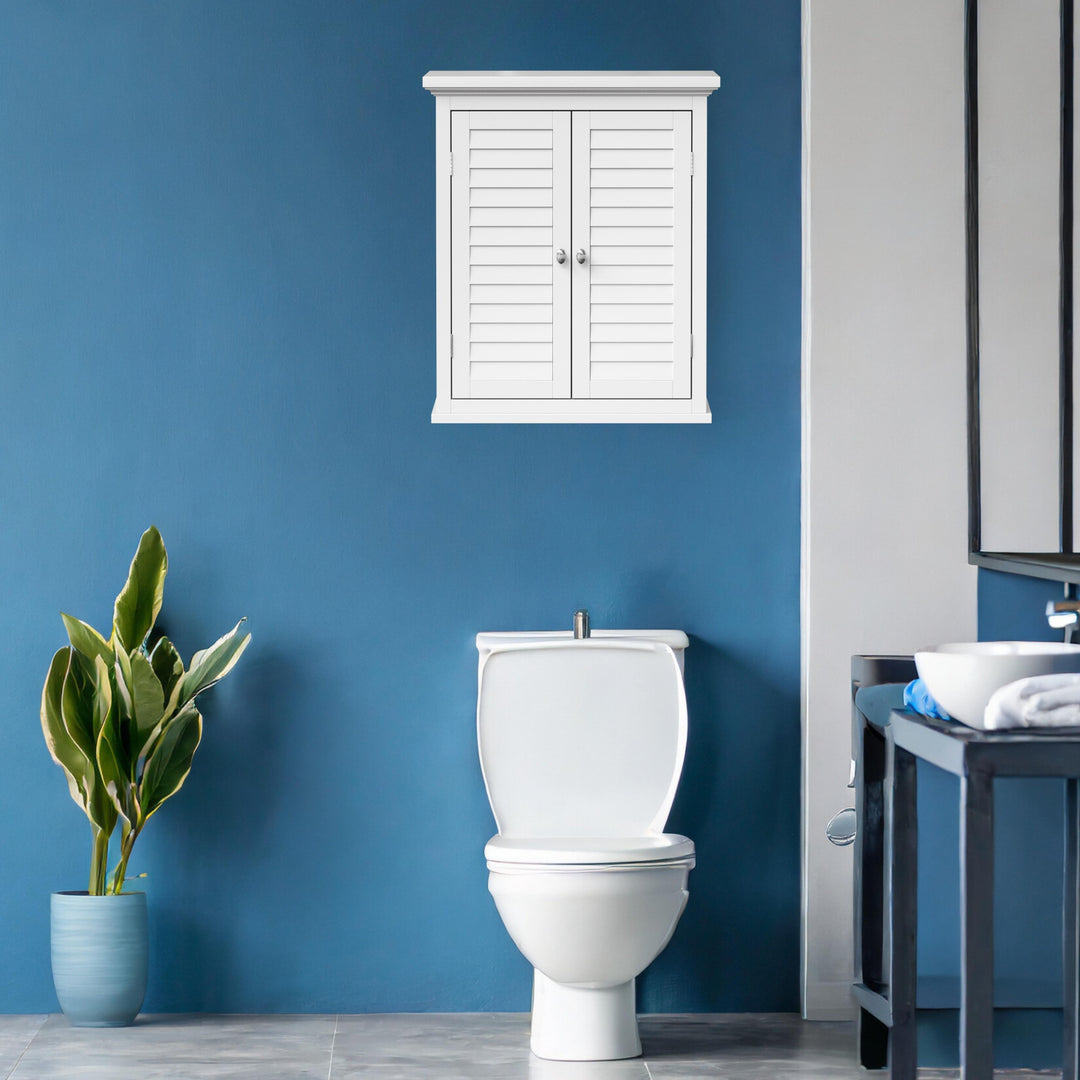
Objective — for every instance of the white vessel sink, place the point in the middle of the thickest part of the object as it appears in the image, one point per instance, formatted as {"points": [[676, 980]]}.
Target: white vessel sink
{"points": [[961, 676]]}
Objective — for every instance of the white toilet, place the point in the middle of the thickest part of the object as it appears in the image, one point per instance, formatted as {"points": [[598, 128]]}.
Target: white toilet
{"points": [[581, 746]]}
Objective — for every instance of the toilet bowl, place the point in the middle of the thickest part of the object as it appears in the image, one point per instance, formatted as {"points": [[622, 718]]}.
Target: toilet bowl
{"points": [[581, 747]]}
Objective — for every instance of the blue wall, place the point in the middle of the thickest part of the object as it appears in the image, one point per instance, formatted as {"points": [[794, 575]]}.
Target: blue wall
{"points": [[217, 314]]}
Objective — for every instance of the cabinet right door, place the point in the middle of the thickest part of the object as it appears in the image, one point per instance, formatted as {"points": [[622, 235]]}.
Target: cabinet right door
{"points": [[631, 184]]}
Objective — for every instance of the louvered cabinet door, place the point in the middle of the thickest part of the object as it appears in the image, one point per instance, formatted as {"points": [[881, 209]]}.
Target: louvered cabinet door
{"points": [[510, 213], [631, 220]]}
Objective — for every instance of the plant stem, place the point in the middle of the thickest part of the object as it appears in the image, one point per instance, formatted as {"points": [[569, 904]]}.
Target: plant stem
{"points": [[116, 886], [99, 863]]}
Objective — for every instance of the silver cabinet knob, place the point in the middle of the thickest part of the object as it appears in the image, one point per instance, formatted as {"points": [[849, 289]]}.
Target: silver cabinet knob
{"points": [[560, 256], [580, 255]]}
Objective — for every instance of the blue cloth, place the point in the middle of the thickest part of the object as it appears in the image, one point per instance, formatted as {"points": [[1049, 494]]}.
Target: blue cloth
{"points": [[918, 699], [876, 702]]}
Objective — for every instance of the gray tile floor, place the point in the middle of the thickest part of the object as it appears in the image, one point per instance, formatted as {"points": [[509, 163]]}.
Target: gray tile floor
{"points": [[422, 1046]]}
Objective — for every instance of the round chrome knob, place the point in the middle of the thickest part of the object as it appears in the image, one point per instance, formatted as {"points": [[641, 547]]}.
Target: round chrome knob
{"points": [[580, 255], [560, 256], [842, 828]]}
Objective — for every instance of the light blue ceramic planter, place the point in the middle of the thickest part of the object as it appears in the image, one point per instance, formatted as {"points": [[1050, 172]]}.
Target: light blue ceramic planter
{"points": [[100, 955]]}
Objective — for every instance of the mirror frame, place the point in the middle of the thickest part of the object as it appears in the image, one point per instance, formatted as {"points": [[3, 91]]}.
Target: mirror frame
{"points": [[1063, 564]]}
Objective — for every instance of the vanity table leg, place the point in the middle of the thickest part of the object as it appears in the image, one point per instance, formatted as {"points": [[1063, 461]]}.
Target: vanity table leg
{"points": [[1070, 936], [901, 885], [872, 1035], [976, 926]]}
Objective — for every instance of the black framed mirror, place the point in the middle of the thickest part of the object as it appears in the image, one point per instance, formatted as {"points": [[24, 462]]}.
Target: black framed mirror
{"points": [[1020, 193]]}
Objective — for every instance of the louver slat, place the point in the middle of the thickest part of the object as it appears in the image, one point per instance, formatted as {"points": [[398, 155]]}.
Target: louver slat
{"points": [[510, 308]]}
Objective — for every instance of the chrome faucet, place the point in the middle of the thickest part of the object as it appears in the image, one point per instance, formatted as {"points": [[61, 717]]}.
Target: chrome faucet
{"points": [[581, 623]]}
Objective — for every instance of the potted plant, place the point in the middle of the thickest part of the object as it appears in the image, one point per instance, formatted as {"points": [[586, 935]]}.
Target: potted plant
{"points": [[120, 719]]}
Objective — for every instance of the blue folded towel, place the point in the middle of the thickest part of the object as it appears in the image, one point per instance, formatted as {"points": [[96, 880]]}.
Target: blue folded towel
{"points": [[918, 699]]}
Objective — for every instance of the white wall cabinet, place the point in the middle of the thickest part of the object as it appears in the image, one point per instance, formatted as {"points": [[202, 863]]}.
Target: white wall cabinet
{"points": [[571, 217]]}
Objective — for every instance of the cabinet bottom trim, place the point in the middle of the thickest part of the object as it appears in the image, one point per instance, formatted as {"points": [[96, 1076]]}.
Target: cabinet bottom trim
{"points": [[461, 411]]}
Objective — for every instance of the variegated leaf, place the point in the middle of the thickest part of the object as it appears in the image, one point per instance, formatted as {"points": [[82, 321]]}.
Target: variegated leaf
{"points": [[167, 664], [80, 709], [147, 698], [102, 812], [122, 670], [212, 664], [103, 696], [77, 706], [139, 602], [87, 640], [168, 767], [115, 769], [60, 744]]}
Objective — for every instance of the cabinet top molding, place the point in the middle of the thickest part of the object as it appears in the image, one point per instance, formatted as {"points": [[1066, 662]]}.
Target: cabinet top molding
{"points": [[573, 82]]}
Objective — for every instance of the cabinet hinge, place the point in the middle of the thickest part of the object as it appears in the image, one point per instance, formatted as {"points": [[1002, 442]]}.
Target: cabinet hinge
{"points": [[691, 163], [451, 163], [451, 346], [691, 346]]}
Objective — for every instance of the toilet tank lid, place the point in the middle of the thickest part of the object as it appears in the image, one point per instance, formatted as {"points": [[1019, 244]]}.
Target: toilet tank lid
{"points": [[489, 640]]}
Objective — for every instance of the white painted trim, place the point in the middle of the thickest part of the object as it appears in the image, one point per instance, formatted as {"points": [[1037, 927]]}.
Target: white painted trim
{"points": [[569, 411], [459, 253], [580, 346], [443, 180], [544, 100], [699, 202], [812, 997], [562, 276], [572, 82]]}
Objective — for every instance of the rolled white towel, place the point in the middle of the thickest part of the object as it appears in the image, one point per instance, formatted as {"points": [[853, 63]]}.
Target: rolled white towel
{"points": [[1051, 701]]}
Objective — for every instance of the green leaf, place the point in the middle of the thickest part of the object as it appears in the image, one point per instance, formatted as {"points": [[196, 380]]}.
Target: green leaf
{"points": [[77, 707], [148, 701], [102, 811], [168, 666], [211, 665], [86, 640], [169, 765], [115, 769], [80, 711], [61, 746], [124, 679], [102, 805], [139, 602], [103, 695]]}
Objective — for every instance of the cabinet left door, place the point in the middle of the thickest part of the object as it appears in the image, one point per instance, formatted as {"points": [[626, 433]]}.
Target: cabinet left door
{"points": [[509, 220]]}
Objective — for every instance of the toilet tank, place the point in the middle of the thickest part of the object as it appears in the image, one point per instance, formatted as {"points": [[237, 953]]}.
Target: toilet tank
{"points": [[581, 738]]}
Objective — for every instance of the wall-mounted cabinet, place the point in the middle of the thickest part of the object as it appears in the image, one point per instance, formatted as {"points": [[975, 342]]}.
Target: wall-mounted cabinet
{"points": [[571, 211]]}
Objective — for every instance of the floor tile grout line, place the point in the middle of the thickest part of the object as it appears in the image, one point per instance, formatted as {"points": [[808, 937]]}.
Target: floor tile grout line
{"points": [[333, 1043], [33, 1035]]}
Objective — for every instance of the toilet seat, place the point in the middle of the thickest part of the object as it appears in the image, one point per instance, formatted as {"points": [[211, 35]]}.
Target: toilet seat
{"points": [[584, 853]]}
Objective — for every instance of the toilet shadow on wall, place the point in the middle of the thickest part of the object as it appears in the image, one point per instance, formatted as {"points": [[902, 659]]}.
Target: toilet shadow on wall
{"points": [[741, 924]]}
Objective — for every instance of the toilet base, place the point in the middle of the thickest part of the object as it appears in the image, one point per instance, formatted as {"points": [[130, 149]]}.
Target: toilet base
{"points": [[573, 1023]]}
